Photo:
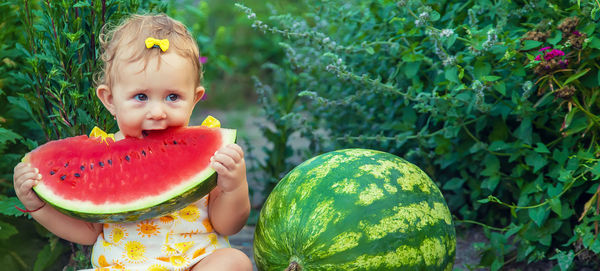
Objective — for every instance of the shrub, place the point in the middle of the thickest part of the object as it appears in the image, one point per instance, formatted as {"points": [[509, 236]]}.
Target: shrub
{"points": [[495, 100], [50, 50]]}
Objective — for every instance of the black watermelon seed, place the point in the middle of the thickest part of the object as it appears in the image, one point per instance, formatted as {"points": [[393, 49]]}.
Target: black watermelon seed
{"points": [[52, 172], [109, 161], [127, 157], [67, 164], [92, 166], [82, 167], [62, 178], [174, 142], [101, 164], [77, 175], [143, 153]]}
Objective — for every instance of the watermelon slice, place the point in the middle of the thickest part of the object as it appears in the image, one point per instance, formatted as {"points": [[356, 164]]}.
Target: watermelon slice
{"points": [[99, 180]]}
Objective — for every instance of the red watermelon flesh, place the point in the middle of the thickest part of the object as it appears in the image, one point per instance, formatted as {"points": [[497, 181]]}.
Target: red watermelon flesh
{"points": [[131, 179]]}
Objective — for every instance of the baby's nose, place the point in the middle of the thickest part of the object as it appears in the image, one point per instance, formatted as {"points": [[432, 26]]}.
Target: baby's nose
{"points": [[156, 112]]}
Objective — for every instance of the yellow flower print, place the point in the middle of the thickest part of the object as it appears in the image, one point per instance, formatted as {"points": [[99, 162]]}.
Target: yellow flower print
{"points": [[168, 250], [147, 229], [199, 252], [104, 242], [157, 267], [118, 265], [207, 225], [134, 252], [183, 247], [190, 213], [117, 234], [213, 239], [102, 261], [179, 261], [166, 219]]}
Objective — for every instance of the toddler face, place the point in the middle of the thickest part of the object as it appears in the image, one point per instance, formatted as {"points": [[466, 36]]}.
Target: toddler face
{"points": [[154, 98]]}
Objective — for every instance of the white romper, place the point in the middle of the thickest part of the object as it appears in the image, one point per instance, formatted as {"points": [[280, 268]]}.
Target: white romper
{"points": [[173, 242]]}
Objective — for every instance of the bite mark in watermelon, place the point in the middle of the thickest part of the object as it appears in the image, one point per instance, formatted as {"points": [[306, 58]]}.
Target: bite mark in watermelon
{"points": [[131, 179]]}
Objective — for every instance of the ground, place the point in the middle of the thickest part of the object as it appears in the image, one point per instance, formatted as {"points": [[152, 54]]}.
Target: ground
{"points": [[466, 255]]}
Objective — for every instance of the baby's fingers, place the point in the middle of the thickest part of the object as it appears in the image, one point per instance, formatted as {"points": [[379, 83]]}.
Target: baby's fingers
{"points": [[22, 169], [28, 184], [224, 159], [27, 176], [218, 167]]}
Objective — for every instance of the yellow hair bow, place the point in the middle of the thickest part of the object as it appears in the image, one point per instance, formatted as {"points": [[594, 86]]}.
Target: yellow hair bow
{"points": [[98, 133], [152, 42]]}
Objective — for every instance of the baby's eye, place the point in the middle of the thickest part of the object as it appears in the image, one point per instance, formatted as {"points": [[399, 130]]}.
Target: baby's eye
{"points": [[172, 97], [141, 97]]}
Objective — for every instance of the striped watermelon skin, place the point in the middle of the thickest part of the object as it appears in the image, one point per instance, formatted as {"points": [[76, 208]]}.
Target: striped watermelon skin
{"points": [[355, 209]]}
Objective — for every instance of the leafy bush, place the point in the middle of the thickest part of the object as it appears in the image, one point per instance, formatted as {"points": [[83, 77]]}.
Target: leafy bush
{"points": [[495, 100], [232, 53], [51, 54]]}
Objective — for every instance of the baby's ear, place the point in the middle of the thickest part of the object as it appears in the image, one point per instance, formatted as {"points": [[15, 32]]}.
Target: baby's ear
{"points": [[105, 95], [198, 94]]}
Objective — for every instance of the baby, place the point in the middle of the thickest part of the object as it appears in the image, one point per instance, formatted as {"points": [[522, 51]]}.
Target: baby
{"points": [[150, 81]]}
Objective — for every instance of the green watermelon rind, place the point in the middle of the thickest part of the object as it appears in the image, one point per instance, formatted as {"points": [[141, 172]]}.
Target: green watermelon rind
{"points": [[308, 221], [190, 191]]}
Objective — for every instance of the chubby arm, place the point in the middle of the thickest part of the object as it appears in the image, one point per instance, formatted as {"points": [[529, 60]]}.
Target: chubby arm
{"points": [[229, 204], [24, 179]]}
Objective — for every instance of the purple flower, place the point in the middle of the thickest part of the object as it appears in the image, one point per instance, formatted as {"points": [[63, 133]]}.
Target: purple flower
{"points": [[564, 63], [554, 53], [545, 48], [203, 59], [576, 33], [538, 57]]}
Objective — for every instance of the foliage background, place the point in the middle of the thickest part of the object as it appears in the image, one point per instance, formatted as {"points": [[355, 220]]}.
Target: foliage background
{"points": [[495, 100], [452, 86]]}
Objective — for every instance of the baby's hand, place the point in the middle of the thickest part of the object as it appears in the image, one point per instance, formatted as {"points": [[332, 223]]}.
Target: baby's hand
{"points": [[25, 178], [229, 163]]}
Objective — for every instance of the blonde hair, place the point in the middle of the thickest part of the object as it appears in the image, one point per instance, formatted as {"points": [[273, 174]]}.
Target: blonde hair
{"points": [[133, 31]]}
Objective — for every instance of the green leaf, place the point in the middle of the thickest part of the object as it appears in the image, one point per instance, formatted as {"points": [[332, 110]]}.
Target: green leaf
{"points": [[454, 183], [554, 190], [560, 156], [541, 148], [49, 254], [595, 43], [576, 76], [595, 247], [530, 44], [370, 50], [524, 131], [538, 215], [536, 160], [482, 69], [498, 145], [20, 102], [513, 229], [556, 206], [411, 68], [492, 165], [491, 78], [7, 206], [556, 38], [564, 259], [500, 87], [452, 74], [8, 135], [491, 183], [7, 230]]}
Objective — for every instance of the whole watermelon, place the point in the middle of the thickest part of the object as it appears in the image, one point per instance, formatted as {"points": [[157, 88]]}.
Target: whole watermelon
{"points": [[355, 209]]}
